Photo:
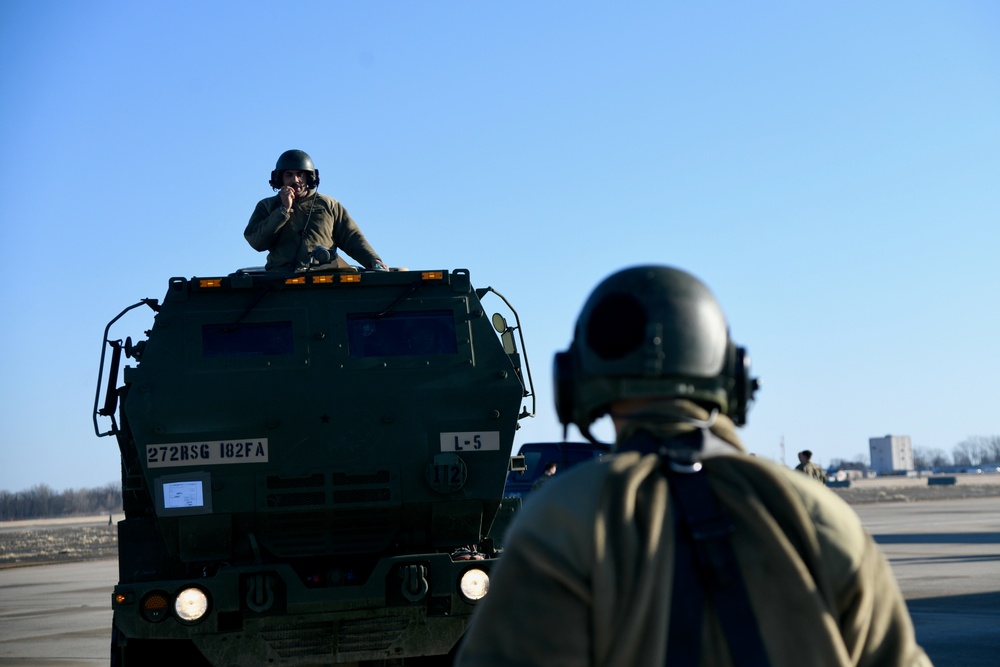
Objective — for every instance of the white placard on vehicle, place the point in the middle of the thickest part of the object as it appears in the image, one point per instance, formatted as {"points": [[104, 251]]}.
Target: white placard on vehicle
{"points": [[470, 441]]}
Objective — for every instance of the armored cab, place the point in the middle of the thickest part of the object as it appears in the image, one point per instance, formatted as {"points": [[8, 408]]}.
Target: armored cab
{"points": [[313, 466]]}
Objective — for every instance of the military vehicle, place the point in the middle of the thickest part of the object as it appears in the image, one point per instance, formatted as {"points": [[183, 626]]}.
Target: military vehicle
{"points": [[536, 455], [313, 466]]}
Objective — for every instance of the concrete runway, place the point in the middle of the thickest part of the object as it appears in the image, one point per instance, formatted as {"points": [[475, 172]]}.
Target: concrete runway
{"points": [[945, 554], [946, 558], [57, 615]]}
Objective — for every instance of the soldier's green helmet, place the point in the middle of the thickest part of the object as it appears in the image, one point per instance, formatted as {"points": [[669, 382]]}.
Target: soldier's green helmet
{"points": [[651, 332], [296, 160]]}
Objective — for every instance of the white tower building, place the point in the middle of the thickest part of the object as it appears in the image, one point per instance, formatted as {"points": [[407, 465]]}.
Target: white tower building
{"points": [[891, 454]]}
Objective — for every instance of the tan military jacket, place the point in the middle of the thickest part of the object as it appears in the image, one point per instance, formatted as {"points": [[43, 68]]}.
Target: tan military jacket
{"points": [[325, 221], [587, 573], [812, 470]]}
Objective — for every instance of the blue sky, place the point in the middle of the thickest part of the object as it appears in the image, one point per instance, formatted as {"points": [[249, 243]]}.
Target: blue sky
{"points": [[831, 170]]}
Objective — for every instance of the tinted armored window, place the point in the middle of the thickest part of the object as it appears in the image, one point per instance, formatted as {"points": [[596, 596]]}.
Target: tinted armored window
{"points": [[248, 339], [430, 332]]}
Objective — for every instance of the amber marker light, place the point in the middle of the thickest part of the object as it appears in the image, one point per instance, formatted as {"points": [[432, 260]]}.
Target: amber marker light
{"points": [[322, 280], [301, 280], [210, 282], [432, 275], [350, 278], [154, 606]]}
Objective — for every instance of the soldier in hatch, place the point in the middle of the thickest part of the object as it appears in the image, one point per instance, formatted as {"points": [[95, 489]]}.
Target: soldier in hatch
{"points": [[291, 224], [680, 549]]}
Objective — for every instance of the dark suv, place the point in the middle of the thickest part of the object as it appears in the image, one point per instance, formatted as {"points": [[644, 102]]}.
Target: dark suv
{"points": [[538, 454]]}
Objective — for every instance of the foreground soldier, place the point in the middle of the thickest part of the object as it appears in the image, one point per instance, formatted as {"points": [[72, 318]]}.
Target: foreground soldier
{"points": [[298, 219], [680, 549]]}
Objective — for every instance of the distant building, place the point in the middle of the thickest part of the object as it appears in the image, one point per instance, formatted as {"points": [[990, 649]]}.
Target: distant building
{"points": [[891, 454]]}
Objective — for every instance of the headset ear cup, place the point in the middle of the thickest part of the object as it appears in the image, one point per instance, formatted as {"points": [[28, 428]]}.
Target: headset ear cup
{"points": [[740, 398], [563, 386], [276, 183]]}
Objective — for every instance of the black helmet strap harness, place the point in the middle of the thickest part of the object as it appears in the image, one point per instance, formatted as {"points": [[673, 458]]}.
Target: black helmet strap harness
{"points": [[704, 561]]}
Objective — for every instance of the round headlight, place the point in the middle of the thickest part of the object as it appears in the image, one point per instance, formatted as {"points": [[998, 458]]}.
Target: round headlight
{"points": [[474, 585], [191, 604]]}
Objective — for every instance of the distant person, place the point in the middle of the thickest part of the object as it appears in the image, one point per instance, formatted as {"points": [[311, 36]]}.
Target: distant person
{"points": [[679, 549], [547, 474], [293, 223], [807, 467]]}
